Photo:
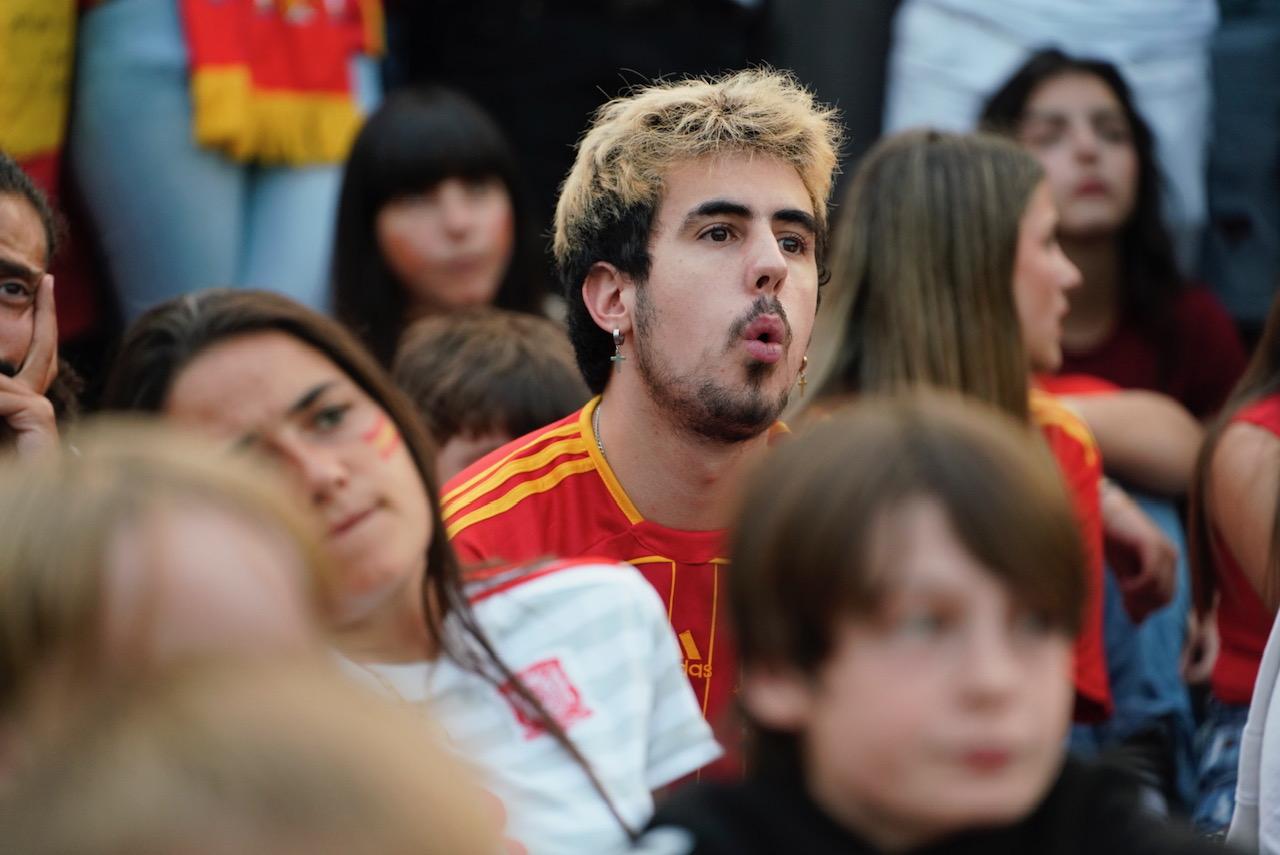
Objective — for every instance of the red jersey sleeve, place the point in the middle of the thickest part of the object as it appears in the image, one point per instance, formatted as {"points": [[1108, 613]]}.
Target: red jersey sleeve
{"points": [[1077, 455]]}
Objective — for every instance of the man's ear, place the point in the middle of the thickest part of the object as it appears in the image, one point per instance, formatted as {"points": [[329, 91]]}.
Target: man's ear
{"points": [[608, 293], [778, 697]]}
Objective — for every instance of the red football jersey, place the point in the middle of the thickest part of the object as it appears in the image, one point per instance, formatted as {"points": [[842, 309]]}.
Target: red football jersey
{"points": [[1077, 454], [551, 493]]}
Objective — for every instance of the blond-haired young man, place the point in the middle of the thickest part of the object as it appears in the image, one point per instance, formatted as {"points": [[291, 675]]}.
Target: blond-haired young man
{"points": [[690, 236]]}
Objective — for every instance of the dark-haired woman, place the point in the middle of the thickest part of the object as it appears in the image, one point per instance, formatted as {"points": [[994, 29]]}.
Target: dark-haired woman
{"points": [[431, 219], [1135, 320], [561, 681]]}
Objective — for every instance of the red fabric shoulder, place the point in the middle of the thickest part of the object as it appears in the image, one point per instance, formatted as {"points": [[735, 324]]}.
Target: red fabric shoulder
{"points": [[1264, 412], [1075, 384], [1073, 447], [520, 445]]}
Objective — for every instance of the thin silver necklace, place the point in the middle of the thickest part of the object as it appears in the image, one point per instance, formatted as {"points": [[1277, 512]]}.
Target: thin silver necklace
{"points": [[595, 429]]}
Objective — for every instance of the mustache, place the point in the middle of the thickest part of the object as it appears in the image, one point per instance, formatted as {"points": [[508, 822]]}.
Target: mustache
{"points": [[762, 306]]}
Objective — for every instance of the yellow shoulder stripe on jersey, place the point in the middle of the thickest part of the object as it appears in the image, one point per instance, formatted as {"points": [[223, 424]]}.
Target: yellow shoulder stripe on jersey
{"points": [[572, 445], [566, 430], [510, 499], [1048, 411]]}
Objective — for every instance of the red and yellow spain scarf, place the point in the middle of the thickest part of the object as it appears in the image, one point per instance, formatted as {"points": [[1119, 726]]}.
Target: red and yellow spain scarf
{"points": [[270, 79]]}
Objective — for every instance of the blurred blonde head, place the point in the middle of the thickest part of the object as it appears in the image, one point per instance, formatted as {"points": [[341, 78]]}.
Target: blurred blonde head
{"points": [[139, 546], [284, 757]]}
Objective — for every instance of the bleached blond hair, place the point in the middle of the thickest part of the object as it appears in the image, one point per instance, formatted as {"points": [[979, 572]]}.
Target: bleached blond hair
{"points": [[607, 202]]}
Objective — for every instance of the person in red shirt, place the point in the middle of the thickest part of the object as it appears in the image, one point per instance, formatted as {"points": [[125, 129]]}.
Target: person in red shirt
{"points": [[1234, 549], [689, 238], [970, 302], [1134, 320]]}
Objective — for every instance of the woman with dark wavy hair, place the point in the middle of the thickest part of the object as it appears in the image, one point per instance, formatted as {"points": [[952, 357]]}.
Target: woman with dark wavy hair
{"points": [[1135, 320], [561, 681]]}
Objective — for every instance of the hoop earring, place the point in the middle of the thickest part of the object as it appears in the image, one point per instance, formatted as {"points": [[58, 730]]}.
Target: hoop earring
{"points": [[617, 359]]}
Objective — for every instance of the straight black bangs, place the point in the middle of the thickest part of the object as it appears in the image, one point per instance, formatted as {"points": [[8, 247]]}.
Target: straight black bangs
{"points": [[418, 138]]}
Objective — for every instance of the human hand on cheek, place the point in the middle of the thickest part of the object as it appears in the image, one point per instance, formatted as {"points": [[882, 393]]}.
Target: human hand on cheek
{"points": [[23, 405]]}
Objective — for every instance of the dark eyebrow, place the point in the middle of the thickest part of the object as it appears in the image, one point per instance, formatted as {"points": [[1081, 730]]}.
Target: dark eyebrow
{"points": [[1108, 113], [9, 267], [309, 397], [725, 208], [797, 217], [305, 400], [717, 208], [1043, 115]]}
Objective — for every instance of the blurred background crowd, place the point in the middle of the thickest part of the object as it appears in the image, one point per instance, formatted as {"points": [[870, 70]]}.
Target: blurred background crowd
{"points": [[393, 173]]}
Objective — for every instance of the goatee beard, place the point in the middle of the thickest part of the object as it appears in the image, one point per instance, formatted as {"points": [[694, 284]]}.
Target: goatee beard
{"points": [[703, 407]]}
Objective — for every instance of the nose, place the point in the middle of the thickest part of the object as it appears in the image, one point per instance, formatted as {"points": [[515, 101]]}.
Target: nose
{"points": [[456, 208], [319, 471], [1084, 141], [991, 666], [1069, 276], [767, 266]]}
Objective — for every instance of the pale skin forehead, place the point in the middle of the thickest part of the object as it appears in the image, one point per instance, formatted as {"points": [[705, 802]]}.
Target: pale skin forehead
{"points": [[251, 383], [760, 186], [1069, 93]]}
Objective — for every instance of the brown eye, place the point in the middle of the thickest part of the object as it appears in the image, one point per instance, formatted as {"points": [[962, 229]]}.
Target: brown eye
{"points": [[15, 292], [792, 245]]}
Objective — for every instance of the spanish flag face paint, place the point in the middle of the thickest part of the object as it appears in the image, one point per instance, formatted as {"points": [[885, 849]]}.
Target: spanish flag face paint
{"points": [[383, 436]]}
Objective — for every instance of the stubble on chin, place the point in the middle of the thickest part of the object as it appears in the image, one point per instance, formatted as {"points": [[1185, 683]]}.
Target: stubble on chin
{"points": [[701, 405], [709, 409]]}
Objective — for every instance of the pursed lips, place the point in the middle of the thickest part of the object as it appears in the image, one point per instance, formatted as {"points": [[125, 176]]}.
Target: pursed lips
{"points": [[766, 337]]}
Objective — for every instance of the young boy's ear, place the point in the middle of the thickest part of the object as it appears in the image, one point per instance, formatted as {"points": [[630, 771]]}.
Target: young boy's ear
{"points": [[777, 697]]}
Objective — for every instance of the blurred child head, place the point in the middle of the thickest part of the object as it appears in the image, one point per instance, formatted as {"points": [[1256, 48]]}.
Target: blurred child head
{"points": [[430, 219], [274, 757], [139, 548], [484, 377], [905, 603]]}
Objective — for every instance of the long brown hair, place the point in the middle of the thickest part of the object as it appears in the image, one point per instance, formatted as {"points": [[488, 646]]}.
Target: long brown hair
{"points": [[1261, 379], [165, 340], [922, 266]]}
